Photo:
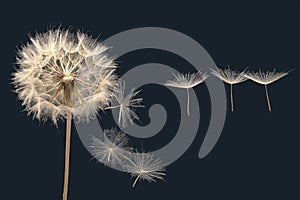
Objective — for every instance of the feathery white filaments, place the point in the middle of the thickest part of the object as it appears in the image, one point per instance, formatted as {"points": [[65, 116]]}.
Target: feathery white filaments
{"points": [[265, 78], [62, 72], [143, 166], [187, 81], [126, 104], [113, 150], [230, 77]]}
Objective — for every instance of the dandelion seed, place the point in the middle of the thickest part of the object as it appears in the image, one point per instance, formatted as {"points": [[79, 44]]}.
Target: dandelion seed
{"points": [[113, 150], [265, 78], [187, 81], [230, 77], [62, 75], [143, 166], [126, 104]]}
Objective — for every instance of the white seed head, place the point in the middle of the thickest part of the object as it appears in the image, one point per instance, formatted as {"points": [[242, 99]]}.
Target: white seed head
{"points": [[188, 80], [126, 104], [63, 72], [143, 166], [113, 150], [265, 78], [229, 76]]}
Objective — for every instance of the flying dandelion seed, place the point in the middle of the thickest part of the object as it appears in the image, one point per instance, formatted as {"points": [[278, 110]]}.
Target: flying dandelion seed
{"points": [[187, 81], [62, 75], [126, 104], [113, 150], [230, 77], [265, 78], [143, 166]]}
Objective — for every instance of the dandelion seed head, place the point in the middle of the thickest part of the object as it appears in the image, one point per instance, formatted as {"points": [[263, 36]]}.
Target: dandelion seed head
{"points": [[126, 104], [62, 72], [187, 80], [265, 78], [229, 76], [144, 166], [113, 150]]}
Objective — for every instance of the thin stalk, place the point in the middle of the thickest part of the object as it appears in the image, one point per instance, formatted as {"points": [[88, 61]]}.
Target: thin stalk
{"points": [[120, 114], [108, 158], [268, 99], [231, 98], [188, 102], [67, 155], [135, 181]]}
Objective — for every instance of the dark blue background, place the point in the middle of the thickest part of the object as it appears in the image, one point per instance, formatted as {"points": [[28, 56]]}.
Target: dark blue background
{"points": [[257, 156]]}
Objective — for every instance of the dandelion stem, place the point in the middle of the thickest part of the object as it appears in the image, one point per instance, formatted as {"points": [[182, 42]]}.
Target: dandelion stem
{"points": [[108, 158], [67, 155], [120, 114], [188, 102], [231, 98], [268, 100], [135, 181]]}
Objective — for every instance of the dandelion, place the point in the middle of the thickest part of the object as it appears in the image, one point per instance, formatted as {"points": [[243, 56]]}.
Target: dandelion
{"points": [[113, 150], [265, 78], [230, 77], [62, 75], [187, 81], [126, 104], [143, 166]]}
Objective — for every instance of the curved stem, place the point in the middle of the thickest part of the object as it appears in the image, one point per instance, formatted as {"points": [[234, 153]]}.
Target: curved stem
{"points": [[231, 98], [67, 155], [268, 100], [135, 181], [188, 102]]}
